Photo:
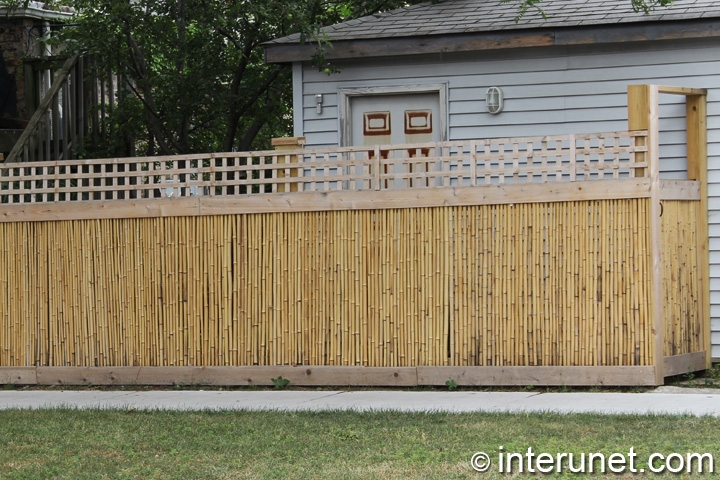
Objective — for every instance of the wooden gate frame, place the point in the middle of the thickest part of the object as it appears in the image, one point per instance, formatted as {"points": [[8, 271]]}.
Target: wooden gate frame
{"points": [[643, 114]]}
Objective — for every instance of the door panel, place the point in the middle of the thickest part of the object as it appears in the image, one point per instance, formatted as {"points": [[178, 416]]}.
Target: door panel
{"points": [[398, 119]]}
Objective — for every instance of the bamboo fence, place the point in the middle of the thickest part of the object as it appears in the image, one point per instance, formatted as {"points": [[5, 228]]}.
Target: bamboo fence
{"points": [[563, 251], [554, 284]]}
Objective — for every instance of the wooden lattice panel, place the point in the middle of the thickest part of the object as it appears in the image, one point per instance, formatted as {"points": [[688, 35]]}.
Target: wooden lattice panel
{"points": [[508, 161]]}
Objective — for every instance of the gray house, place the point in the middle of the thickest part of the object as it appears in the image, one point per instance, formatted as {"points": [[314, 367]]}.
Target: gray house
{"points": [[465, 69]]}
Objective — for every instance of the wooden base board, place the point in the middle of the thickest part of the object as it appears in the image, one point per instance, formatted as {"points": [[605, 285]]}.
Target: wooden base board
{"points": [[330, 376], [229, 376], [18, 375], [682, 364], [546, 376]]}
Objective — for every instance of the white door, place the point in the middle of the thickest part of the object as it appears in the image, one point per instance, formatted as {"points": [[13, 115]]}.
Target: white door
{"points": [[395, 119], [398, 119]]}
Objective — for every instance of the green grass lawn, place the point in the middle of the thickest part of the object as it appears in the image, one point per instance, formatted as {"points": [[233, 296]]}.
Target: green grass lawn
{"points": [[135, 444]]}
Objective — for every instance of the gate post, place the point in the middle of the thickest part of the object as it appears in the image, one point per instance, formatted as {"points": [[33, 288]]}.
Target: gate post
{"points": [[696, 117], [643, 115], [288, 143]]}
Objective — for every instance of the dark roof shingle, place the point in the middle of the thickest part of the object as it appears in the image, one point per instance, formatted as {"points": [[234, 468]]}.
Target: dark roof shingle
{"points": [[476, 16]]}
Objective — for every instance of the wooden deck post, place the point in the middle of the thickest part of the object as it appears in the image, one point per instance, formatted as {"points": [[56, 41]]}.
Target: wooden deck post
{"points": [[696, 114], [288, 143], [643, 115]]}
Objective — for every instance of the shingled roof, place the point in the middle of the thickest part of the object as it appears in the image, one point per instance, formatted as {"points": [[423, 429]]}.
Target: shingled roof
{"points": [[488, 17]]}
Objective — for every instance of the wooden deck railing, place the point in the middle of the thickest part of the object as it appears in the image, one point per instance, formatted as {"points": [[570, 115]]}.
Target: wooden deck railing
{"points": [[448, 164], [74, 109]]}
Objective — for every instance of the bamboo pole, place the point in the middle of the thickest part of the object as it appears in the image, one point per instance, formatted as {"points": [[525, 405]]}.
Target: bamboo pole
{"points": [[184, 231], [134, 307], [112, 282], [99, 311], [364, 264], [266, 319], [171, 281], [25, 315], [358, 276], [276, 261], [290, 280], [253, 239], [40, 315], [6, 275], [240, 288]]}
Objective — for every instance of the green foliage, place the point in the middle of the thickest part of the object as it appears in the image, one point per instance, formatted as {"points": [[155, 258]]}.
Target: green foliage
{"points": [[648, 6], [451, 384], [525, 5], [280, 382], [197, 80], [714, 372]]}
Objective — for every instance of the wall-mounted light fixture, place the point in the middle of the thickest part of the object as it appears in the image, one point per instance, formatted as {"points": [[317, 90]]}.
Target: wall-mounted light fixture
{"points": [[318, 103], [494, 100]]}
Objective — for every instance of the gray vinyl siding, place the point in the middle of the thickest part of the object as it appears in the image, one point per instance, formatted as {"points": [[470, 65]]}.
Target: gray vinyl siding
{"points": [[548, 91]]}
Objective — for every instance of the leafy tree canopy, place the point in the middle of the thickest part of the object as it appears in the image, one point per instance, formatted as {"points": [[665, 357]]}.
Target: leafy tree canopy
{"points": [[196, 80]]}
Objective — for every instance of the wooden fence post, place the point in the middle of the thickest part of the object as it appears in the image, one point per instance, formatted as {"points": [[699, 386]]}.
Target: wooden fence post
{"points": [[643, 115], [696, 116], [288, 143]]}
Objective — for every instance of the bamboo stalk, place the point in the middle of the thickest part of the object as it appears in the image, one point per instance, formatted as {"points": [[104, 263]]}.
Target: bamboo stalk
{"points": [[301, 283], [375, 289], [436, 286], [306, 306], [357, 275], [364, 223], [135, 307], [99, 350], [315, 328], [534, 258], [265, 319], [145, 279], [254, 275], [575, 301], [334, 224], [239, 290], [112, 284]]}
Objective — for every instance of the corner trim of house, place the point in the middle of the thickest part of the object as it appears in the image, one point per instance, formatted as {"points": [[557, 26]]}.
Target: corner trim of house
{"points": [[298, 92]]}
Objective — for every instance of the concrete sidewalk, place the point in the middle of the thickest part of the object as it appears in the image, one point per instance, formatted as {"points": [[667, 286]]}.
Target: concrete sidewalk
{"points": [[669, 400]]}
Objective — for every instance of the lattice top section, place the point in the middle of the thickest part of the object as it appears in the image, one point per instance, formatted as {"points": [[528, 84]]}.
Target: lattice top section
{"points": [[564, 158]]}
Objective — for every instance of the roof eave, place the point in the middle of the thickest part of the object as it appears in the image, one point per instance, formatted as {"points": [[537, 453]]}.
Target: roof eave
{"points": [[468, 42], [35, 14]]}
